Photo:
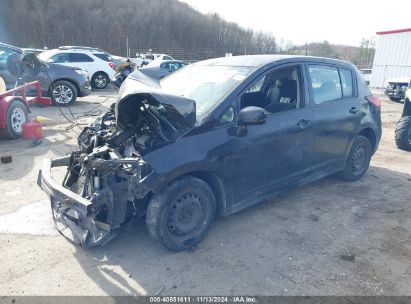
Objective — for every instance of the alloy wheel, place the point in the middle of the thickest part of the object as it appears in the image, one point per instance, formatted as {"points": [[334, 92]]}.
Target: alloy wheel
{"points": [[100, 81], [62, 94]]}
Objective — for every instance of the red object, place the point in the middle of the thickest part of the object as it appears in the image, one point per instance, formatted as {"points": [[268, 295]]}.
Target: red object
{"points": [[394, 31], [32, 130], [374, 100], [20, 93], [112, 65]]}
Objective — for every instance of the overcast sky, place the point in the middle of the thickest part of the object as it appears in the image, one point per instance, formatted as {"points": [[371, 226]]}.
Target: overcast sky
{"points": [[339, 22]]}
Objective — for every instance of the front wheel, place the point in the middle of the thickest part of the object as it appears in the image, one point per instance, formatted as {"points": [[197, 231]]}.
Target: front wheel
{"points": [[63, 93], [403, 133], [358, 159], [180, 216], [99, 80]]}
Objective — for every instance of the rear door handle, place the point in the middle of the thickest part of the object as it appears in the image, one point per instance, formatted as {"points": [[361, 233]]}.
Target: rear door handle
{"points": [[303, 123], [354, 110]]}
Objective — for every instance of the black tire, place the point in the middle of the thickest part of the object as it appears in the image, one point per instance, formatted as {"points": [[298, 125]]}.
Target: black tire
{"points": [[403, 133], [180, 216], [63, 93], [396, 99], [358, 159], [99, 80], [17, 114]]}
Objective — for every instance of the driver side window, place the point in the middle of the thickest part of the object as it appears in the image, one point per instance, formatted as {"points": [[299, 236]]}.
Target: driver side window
{"points": [[276, 91]]}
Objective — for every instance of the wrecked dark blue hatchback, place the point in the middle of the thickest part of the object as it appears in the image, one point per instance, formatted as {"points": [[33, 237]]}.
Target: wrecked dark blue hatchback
{"points": [[211, 139]]}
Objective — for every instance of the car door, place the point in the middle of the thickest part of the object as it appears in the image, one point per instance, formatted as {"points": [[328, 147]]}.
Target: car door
{"points": [[337, 112], [273, 155], [83, 61]]}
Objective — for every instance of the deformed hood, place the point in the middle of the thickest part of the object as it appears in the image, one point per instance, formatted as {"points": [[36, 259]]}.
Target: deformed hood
{"points": [[180, 111]]}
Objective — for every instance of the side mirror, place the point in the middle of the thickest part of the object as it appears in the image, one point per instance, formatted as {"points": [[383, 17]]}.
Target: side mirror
{"points": [[252, 116]]}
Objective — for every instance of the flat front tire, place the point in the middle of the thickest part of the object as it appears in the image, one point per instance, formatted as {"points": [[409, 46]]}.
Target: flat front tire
{"points": [[180, 216], [358, 159]]}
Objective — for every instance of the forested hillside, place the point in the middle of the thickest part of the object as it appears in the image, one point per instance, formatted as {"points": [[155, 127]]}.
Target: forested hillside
{"points": [[155, 24], [167, 26]]}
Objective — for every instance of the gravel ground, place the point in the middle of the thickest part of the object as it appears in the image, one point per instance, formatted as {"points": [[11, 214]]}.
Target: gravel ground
{"points": [[326, 238]]}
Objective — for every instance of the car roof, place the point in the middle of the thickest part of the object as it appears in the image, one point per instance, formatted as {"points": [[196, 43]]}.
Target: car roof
{"points": [[261, 60], [15, 48], [79, 47], [79, 50]]}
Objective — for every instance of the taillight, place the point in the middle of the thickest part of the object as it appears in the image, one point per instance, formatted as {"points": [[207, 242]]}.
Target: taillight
{"points": [[112, 65], [374, 100]]}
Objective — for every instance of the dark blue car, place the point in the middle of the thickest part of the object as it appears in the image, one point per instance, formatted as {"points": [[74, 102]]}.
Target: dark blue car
{"points": [[211, 139]]}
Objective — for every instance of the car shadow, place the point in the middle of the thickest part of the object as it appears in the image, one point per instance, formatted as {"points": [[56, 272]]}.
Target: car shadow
{"points": [[255, 250]]}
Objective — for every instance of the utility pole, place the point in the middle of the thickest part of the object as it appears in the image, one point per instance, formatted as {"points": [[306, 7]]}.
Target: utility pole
{"points": [[306, 48], [127, 49]]}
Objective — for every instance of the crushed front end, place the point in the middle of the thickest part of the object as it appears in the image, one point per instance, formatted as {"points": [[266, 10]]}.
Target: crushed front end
{"points": [[105, 182]]}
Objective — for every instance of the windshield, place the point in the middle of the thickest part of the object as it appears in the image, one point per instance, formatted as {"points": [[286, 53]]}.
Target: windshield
{"points": [[206, 85], [46, 55]]}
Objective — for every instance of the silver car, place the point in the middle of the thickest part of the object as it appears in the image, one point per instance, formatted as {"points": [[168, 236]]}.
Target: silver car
{"points": [[158, 69]]}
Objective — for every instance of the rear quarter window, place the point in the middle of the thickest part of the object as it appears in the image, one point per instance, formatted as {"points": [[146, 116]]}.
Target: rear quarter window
{"points": [[347, 83]]}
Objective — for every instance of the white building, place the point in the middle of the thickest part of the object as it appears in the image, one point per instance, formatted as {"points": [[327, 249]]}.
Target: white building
{"points": [[392, 57]]}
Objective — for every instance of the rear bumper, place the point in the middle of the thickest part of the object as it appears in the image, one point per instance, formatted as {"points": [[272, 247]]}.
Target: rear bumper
{"points": [[395, 93], [71, 212]]}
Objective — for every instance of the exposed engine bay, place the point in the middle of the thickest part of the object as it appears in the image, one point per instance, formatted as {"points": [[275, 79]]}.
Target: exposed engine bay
{"points": [[109, 169]]}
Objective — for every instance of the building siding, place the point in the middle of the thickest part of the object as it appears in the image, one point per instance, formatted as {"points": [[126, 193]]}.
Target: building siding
{"points": [[392, 58]]}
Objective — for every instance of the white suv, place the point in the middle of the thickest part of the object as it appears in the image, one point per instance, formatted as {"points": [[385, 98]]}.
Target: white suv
{"points": [[96, 62]]}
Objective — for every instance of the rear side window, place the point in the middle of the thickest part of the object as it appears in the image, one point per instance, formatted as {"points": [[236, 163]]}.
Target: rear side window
{"points": [[79, 57], [102, 56], [325, 83], [346, 81]]}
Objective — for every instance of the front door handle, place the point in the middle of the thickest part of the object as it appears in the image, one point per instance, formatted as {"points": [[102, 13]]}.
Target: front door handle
{"points": [[303, 123], [354, 110]]}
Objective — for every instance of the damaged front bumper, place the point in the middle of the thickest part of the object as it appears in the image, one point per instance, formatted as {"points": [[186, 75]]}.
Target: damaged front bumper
{"points": [[77, 218], [71, 212]]}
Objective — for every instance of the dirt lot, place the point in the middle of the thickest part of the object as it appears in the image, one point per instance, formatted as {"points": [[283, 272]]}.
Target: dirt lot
{"points": [[327, 238]]}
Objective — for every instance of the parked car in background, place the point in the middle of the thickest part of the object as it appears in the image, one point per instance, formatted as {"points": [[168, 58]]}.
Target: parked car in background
{"points": [[97, 63], [403, 129], [117, 60], [211, 139], [396, 88], [68, 82], [366, 75], [159, 69], [145, 59]]}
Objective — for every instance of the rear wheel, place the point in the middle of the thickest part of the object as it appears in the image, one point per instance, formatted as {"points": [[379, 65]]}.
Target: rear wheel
{"points": [[16, 116], [99, 80], [358, 159], [403, 133], [180, 216]]}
